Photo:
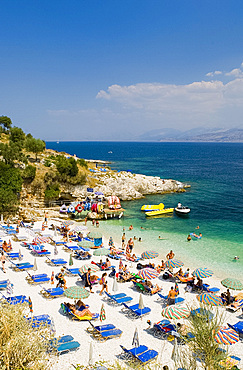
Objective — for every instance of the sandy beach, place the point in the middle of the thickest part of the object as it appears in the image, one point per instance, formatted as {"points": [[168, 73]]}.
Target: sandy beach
{"points": [[109, 350]]}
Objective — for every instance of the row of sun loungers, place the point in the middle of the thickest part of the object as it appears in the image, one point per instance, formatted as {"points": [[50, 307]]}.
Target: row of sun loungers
{"points": [[37, 279], [104, 332], [63, 344], [117, 299], [140, 353], [134, 312]]}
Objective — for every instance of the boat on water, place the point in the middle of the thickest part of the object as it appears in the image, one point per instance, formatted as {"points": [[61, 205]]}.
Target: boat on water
{"points": [[160, 212], [181, 210], [152, 207]]}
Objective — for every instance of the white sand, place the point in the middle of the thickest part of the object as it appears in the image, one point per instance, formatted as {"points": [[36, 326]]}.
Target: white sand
{"points": [[111, 348]]}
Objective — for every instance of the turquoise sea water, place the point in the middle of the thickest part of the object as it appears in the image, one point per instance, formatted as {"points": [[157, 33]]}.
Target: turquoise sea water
{"points": [[215, 173]]}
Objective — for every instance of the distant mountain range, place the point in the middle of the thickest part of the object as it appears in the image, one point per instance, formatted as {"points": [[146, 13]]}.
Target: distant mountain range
{"points": [[199, 134]]}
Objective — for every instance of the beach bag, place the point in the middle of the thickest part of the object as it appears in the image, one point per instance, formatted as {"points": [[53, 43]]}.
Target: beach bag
{"points": [[56, 276], [166, 276], [139, 266]]}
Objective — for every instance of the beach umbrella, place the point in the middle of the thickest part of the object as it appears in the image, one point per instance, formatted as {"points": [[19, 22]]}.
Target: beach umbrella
{"points": [[148, 273], [111, 243], [30, 305], [210, 298], [41, 239], [115, 286], [226, 335], [202, 273], [86, 244], [70, 260], [55, 231], [67, 223], [101, 252], [173, 263], [176, 289], [95, 234], [35, 265], [232, 284], [1, 217], [20, 257], [91, 351], [102, 313], [76, 292], [149, 255], [9, 288], [135, 341], [80, 228], [140, 303], [175, 312], [98, 193], [52, 277], [120, 266], [175, 352], [55, 250], [85, 268]]}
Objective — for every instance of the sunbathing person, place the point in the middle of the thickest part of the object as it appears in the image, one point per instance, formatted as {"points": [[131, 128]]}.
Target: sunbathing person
{"points": [[154, 288], [107, 264], [179, 273]]}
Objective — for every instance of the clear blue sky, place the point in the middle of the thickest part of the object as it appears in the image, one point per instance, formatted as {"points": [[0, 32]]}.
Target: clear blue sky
{"points": [[110, 69]]}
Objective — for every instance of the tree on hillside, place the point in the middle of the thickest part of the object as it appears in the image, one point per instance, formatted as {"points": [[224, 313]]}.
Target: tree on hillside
{"points": [[6, 123], [10, 187], [66, 166], [11, 152], [17, 136], [35, 145]]}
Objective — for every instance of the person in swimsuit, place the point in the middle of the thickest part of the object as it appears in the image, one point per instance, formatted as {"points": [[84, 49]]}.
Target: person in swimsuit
{"points": [[88, 280], [3, 260], [103, 282]]}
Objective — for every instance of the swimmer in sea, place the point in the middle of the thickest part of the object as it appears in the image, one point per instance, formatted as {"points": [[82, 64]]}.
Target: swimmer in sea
{"points": [[236, 258], [189, 238], [197, 227]]}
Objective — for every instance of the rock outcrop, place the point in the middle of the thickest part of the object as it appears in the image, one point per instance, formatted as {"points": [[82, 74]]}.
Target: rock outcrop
{"points": [[127, 186]]}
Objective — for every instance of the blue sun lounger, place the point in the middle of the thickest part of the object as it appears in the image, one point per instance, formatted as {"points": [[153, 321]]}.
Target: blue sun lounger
{"points": [[37, 321], [67, 347], [14, 255], [104, 332], [56, 262], [37, 279], [134, 311], [39, 250], [116, 299], [71, 271], [238, 327], [3, 284], [52, 293], [164, 298], [141, 353], [17, 299], [163, 328], [22, 266]]}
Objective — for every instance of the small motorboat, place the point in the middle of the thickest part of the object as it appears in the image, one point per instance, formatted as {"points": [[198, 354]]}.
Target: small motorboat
{"points": [[159, 212], [182, 210], [152, 207]]}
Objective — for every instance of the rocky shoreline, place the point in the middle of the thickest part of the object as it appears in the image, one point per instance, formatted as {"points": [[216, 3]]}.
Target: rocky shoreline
{"points": [[123, 184]]}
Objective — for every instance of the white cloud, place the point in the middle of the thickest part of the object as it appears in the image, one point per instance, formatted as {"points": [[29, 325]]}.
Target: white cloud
{"points": [[215, 73], [236, 72]]}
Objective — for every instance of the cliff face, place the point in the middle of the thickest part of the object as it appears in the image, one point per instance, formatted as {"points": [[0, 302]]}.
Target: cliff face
{"points": [[127, 186]]}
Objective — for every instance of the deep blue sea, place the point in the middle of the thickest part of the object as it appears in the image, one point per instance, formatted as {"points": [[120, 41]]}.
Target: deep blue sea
{"points": [[215, 173]]}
